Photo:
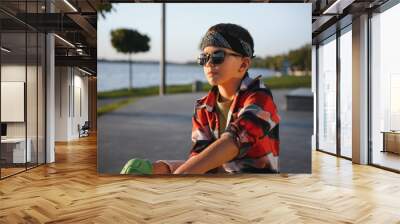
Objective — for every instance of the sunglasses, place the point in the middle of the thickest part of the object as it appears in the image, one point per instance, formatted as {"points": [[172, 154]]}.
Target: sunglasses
{"points": [[217, 57]]}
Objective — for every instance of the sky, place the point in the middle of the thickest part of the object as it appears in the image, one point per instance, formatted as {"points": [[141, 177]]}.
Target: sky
{"points": [[276, 27]]}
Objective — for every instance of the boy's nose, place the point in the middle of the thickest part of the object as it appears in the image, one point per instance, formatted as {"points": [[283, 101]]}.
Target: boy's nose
{"points": [[209, 63]]}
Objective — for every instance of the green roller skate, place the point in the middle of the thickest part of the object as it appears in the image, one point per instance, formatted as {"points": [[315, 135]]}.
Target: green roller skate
{"points": [[138, 166]]}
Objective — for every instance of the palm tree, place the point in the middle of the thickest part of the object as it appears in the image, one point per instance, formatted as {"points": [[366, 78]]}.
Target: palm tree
{"points": [[129, 41]]}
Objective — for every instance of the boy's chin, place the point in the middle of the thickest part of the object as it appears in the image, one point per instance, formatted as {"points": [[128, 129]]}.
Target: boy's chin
{"points": [[213, 81]]}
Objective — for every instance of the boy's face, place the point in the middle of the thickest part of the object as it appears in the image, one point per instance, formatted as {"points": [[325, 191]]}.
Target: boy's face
{"points": [[232, 67]]}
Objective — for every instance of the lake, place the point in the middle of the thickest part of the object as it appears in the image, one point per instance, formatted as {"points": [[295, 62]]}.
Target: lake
{"points": [[115, 75]]}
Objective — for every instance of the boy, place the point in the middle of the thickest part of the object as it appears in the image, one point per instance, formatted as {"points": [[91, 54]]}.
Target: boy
{"points": [[235, 126]]}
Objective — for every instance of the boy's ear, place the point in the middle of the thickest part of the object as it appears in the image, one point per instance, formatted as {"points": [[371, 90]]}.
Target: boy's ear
{"points": [[245, 64]]}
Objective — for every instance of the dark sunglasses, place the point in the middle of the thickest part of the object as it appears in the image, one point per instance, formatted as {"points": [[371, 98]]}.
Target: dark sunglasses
{"points": [[217, 57]]}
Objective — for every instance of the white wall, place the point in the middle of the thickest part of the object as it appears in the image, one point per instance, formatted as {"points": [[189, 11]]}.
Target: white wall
{"points": [[12, 73], [80, 115], [71, 93], [33, 126], [62, 81]]}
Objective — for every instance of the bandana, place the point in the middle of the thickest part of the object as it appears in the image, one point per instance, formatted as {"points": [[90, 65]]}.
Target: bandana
{"points": [[217, 39]]}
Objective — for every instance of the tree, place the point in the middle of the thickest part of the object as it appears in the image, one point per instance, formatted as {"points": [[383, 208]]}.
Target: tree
{"points": [[301, 58], [129, 41], [104, 8]]}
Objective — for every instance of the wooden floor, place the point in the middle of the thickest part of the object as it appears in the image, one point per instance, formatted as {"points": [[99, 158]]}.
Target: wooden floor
{"points": [[388, 159], [10, 171], [70, 191]]}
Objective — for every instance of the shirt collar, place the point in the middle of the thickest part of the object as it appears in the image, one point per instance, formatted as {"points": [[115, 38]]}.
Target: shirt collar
{"points": [[212, 95]]}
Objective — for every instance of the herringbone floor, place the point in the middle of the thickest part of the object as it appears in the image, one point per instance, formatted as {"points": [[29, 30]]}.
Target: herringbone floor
{"points": [[70, 191]]}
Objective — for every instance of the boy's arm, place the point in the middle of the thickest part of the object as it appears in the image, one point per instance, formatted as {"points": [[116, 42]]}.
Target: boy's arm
{"points": [[222, 150], [257, 118]]}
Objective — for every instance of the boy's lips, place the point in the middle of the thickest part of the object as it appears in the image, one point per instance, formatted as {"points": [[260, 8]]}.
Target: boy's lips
{"points": [[211, 73]]}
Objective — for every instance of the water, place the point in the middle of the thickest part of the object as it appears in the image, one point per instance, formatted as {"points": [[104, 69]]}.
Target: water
{"points": [[115, 75]]}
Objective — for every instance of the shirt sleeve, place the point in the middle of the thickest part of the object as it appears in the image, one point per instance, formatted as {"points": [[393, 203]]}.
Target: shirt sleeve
{"points": [[257, 119], [201, 133]]}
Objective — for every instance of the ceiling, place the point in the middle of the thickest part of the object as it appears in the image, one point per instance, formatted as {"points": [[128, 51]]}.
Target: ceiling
{"points": [[330, 15], [74, 22]]}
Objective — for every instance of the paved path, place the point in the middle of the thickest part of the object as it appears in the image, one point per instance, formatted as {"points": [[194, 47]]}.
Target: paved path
{"points": [[159, 127]]}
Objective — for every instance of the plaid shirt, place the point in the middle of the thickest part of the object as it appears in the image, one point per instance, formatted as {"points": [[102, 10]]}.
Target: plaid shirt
{"points": [[253, 123]]}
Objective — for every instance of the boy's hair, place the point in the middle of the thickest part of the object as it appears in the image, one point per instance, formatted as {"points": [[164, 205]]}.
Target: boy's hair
{"points": [[234, 31]]}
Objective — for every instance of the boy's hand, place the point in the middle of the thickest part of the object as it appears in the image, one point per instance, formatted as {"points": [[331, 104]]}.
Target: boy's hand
{"points": [[219, 152]]}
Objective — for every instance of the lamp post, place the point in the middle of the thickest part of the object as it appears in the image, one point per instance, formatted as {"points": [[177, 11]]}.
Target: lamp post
{"points": [[162, 59]]}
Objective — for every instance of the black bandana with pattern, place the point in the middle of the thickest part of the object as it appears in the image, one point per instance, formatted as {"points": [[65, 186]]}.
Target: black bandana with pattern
{"points": [[217, 39]]}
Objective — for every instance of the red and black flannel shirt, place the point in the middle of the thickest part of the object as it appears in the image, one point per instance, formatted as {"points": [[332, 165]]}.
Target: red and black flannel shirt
{"points": [[253, 123]]}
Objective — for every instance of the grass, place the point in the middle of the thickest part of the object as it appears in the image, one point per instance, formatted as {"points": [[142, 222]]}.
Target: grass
{"points": [[283, 82], [287, 82], [147, 91], [113, 106]]}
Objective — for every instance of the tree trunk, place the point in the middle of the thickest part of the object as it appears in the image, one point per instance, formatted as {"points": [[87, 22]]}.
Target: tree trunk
{"points": [[130, 72]]}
